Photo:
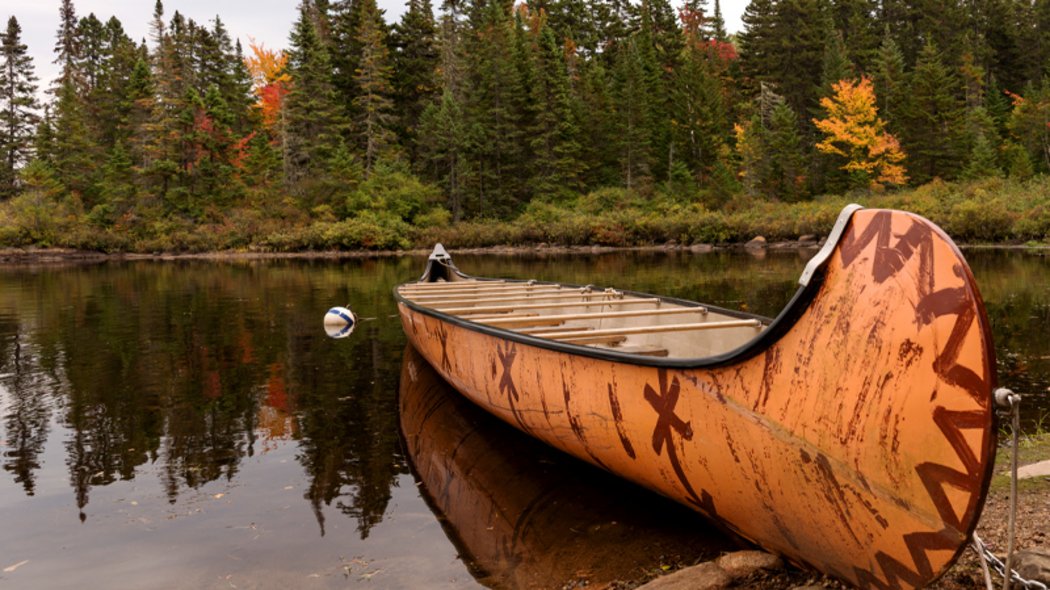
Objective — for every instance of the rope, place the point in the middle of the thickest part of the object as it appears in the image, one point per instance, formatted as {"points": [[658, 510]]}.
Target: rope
{"points": [[1015, 425], [1004, 398]]}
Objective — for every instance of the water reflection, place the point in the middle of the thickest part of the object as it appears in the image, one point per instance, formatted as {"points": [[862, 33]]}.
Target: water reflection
{"points": [[193, 370], [526, 516]]}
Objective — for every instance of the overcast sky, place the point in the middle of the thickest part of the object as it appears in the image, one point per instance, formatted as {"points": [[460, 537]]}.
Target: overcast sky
{"points": [[267, 21]]}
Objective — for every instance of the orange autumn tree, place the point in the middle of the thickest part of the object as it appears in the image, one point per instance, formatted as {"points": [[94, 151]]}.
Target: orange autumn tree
{"points": [[270, 81], [854, 131]]}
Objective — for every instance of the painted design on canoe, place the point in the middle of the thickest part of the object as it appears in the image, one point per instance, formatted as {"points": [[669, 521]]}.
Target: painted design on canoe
{"points": [[855, 434], [667, 421], [617, 413], [506, 353]]}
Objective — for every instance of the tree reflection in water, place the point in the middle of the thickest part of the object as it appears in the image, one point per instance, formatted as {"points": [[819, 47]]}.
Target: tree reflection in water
{"points": [[191, 367]]}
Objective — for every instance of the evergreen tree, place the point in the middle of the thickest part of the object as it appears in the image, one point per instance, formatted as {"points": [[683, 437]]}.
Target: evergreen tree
{"points": [[837, 64], [415, 83], [890, 80], [18, 106], [982, 162], [443, 143], [313, 117], [787, 172], [556, 170], [758, 44], [373, 106], [632, 108], [67, 52], [931, 119]]}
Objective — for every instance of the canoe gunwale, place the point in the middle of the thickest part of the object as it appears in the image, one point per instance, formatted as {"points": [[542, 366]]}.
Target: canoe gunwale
{"points": [[809, 285]]}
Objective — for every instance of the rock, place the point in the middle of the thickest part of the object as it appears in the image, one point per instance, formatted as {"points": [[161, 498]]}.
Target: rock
{"points": [[706, 576], [1033, 565], [756, 242], [701, 248], [807, 238], [1040, 469], [740, 564]]}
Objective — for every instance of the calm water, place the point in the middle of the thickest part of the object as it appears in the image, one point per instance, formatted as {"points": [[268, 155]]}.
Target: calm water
{"points": [[188, 424]]}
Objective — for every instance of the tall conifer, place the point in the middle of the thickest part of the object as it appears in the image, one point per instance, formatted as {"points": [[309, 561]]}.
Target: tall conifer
{"points": [[18, 106]]}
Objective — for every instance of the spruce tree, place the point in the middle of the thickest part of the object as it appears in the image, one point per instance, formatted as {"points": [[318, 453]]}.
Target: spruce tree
{"points": [[556, 170], [931, 121], [313, 115], [67, 52], [890, 81], [758, 45], [415, 57], [373, 107], [18, 106], [633, 122]]}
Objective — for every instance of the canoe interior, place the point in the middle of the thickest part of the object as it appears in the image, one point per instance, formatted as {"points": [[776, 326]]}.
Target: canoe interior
{"points": [[605, 319]]}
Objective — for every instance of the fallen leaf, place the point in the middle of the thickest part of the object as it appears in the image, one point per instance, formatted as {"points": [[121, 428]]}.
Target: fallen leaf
{"points": [[219, 495], [12, 568]]}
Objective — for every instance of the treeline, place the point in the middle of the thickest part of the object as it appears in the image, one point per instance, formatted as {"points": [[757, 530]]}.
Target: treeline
{"points": [[361, 131]]}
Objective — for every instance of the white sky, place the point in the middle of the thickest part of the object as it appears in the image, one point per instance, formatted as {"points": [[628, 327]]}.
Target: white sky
{"points": [[267, 21]]}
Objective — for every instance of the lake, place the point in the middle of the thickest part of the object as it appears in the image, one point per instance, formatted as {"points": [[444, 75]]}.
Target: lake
{"points": [[188, 424]]}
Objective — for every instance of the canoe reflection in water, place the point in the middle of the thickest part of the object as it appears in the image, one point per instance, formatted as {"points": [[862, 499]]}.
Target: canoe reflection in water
{"points": [[523, 515]]}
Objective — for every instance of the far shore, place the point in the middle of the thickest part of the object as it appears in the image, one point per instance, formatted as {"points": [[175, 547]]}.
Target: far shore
{"points": [[32, 255]]}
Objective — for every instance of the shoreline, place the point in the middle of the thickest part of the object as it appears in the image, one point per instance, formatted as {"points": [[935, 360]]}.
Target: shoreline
{"points": [[16, 256]]}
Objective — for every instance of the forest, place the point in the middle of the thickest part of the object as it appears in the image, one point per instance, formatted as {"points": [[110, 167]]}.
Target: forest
{"points": [[487, 122]]}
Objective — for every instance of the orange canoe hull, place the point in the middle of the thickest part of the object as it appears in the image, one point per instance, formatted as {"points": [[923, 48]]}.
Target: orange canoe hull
{"points": [[857, 435]]}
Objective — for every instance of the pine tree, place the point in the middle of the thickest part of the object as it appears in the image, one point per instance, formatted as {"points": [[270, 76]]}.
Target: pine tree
{"points": [[758, 44], [837, 64], [373, 106], [556, 169], [890, 80], [982, 162], [313, 116], [787, 172], [67, 53], [931, 119], [415, 83], [634, 125], [18, 106], [443, 143]]}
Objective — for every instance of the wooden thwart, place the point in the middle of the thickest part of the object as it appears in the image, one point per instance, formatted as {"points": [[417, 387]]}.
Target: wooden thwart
{"points": [[536, 320], [453, 296], [467, 286], [464, 311], [589, 334], [516, 298]]}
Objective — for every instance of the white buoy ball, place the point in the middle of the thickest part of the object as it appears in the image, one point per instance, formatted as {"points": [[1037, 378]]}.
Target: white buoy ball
{"points": [[339, 322]]}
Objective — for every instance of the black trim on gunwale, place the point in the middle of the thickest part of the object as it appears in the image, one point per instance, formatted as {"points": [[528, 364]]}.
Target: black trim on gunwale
{"points": [[811, 281]]}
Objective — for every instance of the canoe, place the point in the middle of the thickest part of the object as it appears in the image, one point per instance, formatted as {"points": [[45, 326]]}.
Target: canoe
{"points": [[853, 433], [522, 516]]}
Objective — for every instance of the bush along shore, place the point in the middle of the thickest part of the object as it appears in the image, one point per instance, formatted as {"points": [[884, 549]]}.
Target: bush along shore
{"points": [[986, 211]]}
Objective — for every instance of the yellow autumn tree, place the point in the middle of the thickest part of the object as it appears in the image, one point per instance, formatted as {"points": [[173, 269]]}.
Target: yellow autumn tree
{"points": [[853, 130]]}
